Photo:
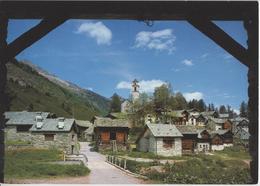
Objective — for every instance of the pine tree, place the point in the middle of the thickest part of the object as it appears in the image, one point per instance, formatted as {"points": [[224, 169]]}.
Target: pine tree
{"points": [[243, 109], [115, 103]]}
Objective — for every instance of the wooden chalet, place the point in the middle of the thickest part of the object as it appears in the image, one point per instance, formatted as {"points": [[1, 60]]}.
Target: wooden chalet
{"points": [[108, 131], [189, 138], [203, 141], [179, 117]]}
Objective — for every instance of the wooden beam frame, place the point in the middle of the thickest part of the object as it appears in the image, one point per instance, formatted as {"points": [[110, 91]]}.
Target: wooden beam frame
{"points": [[221, 38], [31, 36]]}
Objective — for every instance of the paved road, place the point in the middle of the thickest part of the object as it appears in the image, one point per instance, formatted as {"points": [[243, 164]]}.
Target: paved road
{"points": [[102, 172]]}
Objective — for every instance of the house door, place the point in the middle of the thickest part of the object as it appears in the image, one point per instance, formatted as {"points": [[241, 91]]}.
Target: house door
{"points": [[72, 149]]}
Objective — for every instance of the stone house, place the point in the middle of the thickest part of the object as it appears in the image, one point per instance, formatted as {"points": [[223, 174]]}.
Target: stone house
{"points": [[203, 141], [82, 126], [60, 133], [240, 123], [218, 123], [160, 139], [242, 134], [189, 138], [200, 120], [19, 123], [108, 131]]}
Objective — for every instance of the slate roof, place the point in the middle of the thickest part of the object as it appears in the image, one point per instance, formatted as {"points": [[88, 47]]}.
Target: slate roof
{"points": [[117, 115], [220, 131], [23, 117], [108, 122], [90, 130], [223, 115], [51, 125], [208, 113], [187, 129], [83, 123], [164, 130], [217, 120]]}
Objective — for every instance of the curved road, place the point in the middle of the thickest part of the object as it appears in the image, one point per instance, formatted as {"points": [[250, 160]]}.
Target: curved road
{"points": [[102, 172]]}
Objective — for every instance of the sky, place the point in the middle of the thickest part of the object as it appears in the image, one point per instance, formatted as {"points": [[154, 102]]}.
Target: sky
{"points": [[106, 55]]}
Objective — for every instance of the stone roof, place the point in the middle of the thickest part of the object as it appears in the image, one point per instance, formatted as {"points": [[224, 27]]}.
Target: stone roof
{"points": [[217, 120], [118, 115], [51, 125], [164, 130], [220, 131], [187, 129], [208, 113], [223, 115], [24, 117], [90, 130], [108, 122], [83, 123]]}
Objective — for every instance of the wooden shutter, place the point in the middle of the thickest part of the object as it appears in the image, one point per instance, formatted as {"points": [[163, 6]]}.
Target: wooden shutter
{"points": [[120, 136], [105, 137]]}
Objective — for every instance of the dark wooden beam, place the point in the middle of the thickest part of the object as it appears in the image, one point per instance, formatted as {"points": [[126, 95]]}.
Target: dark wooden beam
{"points": [[154, 10], [33, 35], [3, 96], [220, 37]]}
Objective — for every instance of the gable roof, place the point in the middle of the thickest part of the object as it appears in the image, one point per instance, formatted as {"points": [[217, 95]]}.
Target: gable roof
{"points": [[117, 115], [23, 117], [218, 120], [90, 130], [187, 129], [83, 123], [108, 122], [164, 130], [51, 125], [220, 131], [208, 113], [223, 115]]}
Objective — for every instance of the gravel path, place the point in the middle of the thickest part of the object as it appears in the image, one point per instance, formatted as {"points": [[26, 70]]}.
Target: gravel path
{"points": [[101, 173]]}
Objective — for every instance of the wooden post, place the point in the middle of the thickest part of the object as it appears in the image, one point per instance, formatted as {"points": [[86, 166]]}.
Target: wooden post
{"points": [[125, 164], [252, 31], [3, 96]]}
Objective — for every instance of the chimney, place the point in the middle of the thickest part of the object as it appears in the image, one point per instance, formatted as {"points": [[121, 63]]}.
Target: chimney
{"points": [[61, 123], [39, 120]]}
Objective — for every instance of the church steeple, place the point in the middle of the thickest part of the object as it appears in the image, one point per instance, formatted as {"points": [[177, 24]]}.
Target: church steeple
{"points": [[135, 90]]}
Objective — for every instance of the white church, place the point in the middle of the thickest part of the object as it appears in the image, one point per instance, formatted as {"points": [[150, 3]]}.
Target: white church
{"points": [[134, 96]]}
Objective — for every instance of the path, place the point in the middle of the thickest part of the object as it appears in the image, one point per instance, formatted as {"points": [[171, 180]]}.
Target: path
{"points": [[101, 173]]}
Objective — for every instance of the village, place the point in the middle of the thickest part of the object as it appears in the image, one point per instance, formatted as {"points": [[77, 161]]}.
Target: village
{"points": [[183, 133]]}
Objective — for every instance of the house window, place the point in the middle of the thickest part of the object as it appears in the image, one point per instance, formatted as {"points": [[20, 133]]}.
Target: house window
{"points": [[168, 143], [49, 137], [72, 137], [23, 128]]}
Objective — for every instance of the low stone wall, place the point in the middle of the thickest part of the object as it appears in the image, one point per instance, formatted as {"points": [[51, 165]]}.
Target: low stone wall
{"points": [[217, 147]]}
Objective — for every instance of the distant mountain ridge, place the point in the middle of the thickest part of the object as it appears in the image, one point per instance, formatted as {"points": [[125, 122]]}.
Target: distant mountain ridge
{"points": [[72, 99]]}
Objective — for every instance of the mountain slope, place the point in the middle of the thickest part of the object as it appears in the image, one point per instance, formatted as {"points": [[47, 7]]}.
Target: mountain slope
{"points": [[31, 88]]}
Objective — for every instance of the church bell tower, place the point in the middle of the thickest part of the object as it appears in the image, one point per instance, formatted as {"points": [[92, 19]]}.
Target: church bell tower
{"points": [[135, 90]]}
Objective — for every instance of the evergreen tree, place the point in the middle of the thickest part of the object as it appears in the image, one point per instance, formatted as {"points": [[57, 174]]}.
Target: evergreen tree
{"points": [[243, 109], [115, 103], [222, 109]]}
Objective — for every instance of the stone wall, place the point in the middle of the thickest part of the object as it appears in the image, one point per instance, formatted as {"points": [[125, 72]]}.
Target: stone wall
{"points": [[61, 141], [176, 149], [12, 135]]}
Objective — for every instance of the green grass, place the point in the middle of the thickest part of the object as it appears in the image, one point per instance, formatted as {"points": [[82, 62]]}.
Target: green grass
{"points": [[201, 169], [235, 152], [35, 163]]}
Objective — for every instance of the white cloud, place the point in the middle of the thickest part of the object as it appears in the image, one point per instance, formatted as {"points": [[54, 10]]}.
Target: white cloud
{"points": [[159, 40], [193, 95], [236, 111], [187, 62], [98, 31], [145, 86], [204, 55]]}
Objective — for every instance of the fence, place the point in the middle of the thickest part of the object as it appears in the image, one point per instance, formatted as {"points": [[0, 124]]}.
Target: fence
{"points": [[120, 162]]}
